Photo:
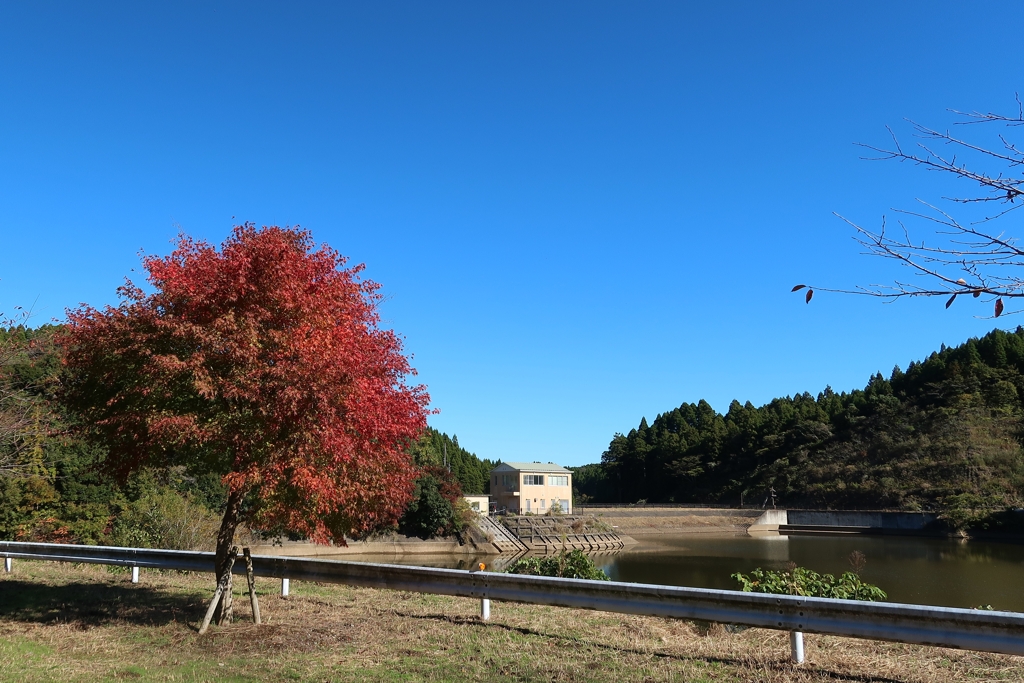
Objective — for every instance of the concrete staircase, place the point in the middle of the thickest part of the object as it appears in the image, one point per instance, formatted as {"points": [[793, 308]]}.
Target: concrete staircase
{"points": [[555, 533], [503, 539]]}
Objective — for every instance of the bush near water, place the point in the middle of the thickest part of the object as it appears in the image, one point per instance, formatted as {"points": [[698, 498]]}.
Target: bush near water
{"points": [[572, 564], [808, 583]]}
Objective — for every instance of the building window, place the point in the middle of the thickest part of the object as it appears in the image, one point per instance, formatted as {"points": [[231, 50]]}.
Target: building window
{"points": [[558, 480], [533, 480], [507, 480]]}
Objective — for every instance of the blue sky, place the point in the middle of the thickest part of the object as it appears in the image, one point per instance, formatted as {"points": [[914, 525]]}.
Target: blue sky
{"points": [[581, 213]]}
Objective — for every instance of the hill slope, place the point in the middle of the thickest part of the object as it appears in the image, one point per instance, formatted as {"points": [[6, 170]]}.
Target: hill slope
{"points": [[440, 450], [945, 434]]}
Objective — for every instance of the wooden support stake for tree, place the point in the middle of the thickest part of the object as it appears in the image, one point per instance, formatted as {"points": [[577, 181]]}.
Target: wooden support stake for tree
{"points": [[224, 615], [252, 587], [222, 588]]}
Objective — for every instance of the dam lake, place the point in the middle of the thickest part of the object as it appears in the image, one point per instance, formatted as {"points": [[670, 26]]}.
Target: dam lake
{"points": [[926, 571]]}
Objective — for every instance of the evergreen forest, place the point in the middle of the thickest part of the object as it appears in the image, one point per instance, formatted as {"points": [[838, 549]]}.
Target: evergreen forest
{"points": [[440, 450], [946, 434]]}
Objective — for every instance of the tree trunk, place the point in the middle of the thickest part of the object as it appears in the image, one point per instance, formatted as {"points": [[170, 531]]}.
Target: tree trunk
{"points": [[225, 540]]}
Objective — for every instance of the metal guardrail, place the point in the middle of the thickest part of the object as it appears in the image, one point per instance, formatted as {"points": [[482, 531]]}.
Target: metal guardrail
{"points": [[985, 631]]}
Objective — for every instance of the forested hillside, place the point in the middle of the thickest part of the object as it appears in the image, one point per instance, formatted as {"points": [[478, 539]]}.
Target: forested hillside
{"points": [[52, 490], [438, 449], [944, 434]]}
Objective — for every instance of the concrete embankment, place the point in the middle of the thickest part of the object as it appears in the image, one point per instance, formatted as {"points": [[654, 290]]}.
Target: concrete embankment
{"points": [[511, 536], [848, 521], [564, 532], [628, 523], [396, 546], [651, 520]]}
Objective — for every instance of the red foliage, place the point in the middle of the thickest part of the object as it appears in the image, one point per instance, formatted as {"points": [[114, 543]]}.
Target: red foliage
{"points": [[44, 530], [263, 362], [450, 488]]}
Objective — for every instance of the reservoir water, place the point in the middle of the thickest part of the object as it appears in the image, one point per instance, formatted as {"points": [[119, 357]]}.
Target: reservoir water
{"points": [[927, 571]]}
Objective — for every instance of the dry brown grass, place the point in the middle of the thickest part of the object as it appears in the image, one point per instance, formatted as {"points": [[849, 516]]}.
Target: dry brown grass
{"points": [[76, 623]]}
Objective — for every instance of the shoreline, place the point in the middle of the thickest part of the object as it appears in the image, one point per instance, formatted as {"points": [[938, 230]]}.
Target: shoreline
{"points": [[396, 547], [637, 525]]}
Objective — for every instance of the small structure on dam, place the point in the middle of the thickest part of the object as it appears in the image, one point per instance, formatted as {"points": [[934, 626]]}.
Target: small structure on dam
{"points": [[847, 521]]}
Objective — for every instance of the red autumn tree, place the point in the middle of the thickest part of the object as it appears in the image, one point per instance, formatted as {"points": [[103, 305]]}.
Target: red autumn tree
{"points": [[265, 363]]}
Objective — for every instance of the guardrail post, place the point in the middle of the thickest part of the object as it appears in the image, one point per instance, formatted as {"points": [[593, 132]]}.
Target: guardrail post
{"points": [[485, 604], [135, 574], [796, 645], [7, 565], [284, 587]]}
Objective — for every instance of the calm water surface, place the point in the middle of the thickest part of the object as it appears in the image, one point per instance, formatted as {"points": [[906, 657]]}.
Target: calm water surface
{"points": [[924, 571]]}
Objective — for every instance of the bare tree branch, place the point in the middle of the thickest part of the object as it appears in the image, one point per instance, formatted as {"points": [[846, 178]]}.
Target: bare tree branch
{"points": [[966, 259], [976, 117]]}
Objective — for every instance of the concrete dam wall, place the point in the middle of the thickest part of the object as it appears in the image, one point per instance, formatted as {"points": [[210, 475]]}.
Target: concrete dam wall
{"points": [[849, 521]]}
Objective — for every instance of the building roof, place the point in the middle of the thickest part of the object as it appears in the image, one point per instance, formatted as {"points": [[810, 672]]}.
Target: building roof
{"points": [[531, 467]]}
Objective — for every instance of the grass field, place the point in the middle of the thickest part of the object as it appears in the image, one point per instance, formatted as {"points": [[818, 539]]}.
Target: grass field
{"points": [[63, 622]]}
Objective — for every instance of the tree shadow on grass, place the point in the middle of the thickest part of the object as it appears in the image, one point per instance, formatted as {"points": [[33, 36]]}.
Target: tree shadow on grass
{"points": [[522, 630], [95, 604]]}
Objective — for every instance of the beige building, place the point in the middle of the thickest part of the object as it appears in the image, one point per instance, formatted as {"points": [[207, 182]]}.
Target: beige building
{"points": [[532, 487], [478, 503]]}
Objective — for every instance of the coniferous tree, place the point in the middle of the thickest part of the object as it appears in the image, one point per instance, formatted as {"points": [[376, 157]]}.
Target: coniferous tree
{"points": [[944, 434]]}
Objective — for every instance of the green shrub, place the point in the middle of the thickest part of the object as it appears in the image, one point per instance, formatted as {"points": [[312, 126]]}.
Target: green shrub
{"points": [[966, 511], [164, 518], [567, 565], [803, 581], [434, 509]]}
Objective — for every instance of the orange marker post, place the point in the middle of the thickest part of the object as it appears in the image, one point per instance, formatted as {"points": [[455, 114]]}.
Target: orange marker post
{"points": [[485, 604]]}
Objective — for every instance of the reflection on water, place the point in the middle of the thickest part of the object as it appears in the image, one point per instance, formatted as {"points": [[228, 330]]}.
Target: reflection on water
{"points": [[925, 571]]}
